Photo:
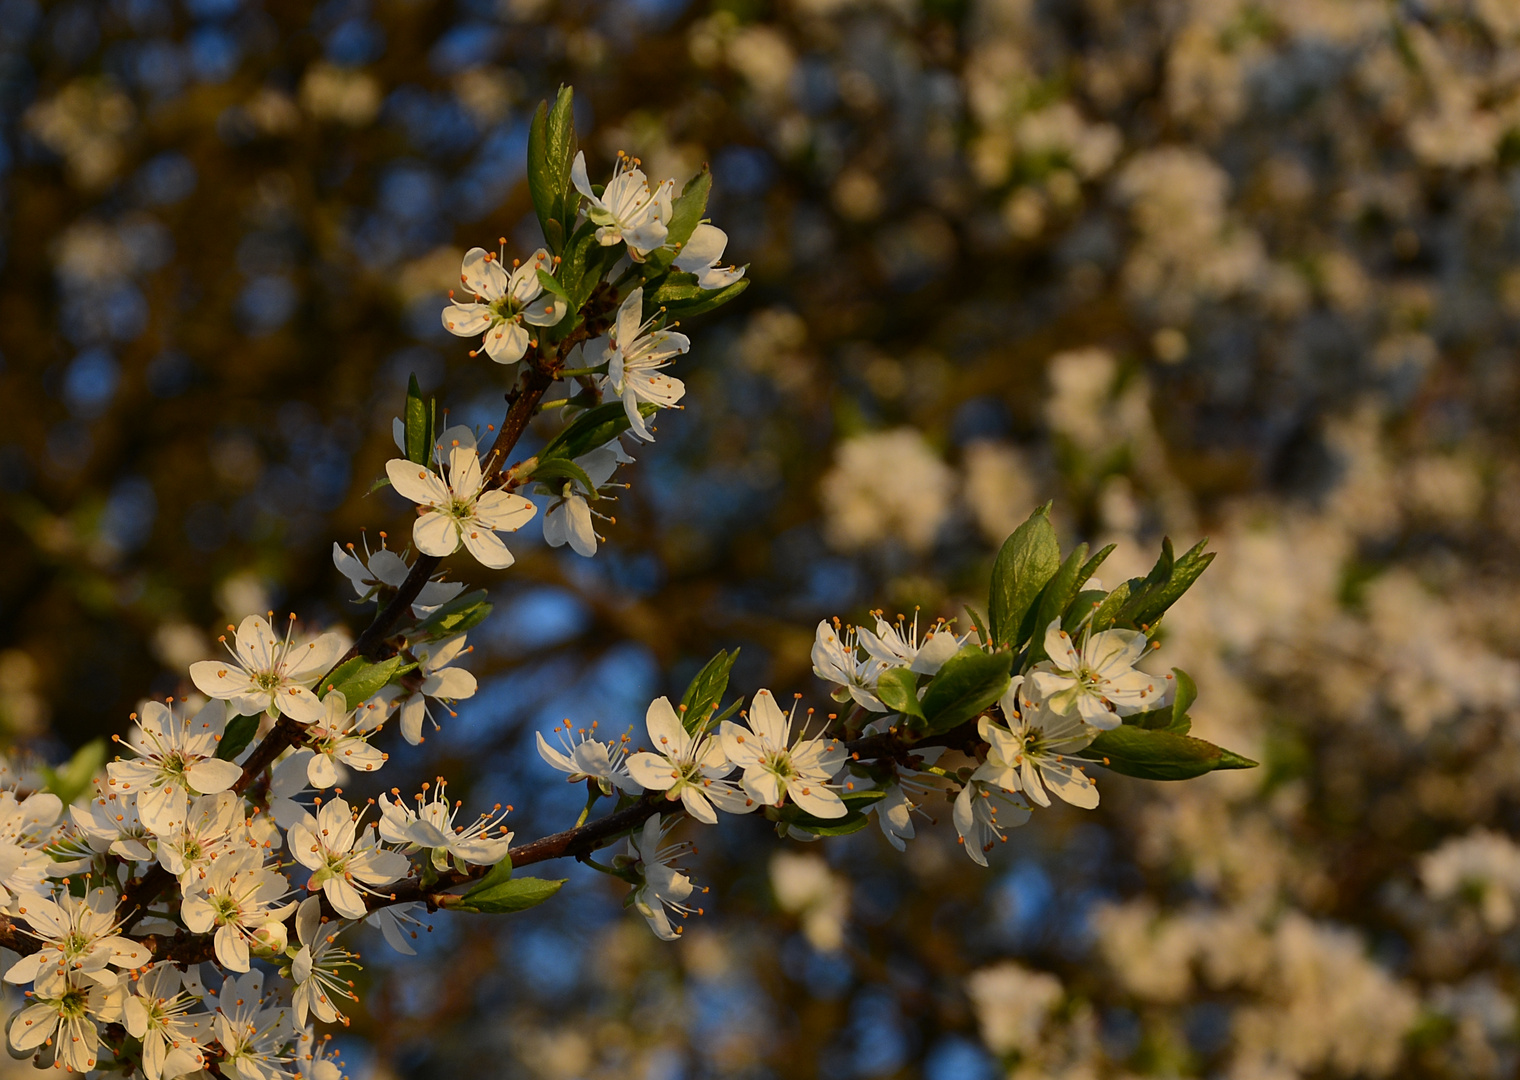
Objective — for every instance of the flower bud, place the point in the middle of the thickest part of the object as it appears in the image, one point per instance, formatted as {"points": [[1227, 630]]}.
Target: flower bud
{"points": [[272, 937]]}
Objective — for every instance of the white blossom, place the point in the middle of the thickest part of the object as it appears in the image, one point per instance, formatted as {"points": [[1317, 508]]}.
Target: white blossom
{"points": [[345, 859], [158, 1012], [636, 356], [340, 740], [177, 761], [385, 568], [569, 517], [77, 935], [586, 758], [837, 660], [628, 210], [254, 1037], [978, 821], [238, 896], [66, 1006], [459, 510], [319, 970], [700, 256], [440, 682], [661, 888], [686, 767], [775, 768], [898, 645], [431, 828], [268, 675], [503, 303], [1100, 682]]}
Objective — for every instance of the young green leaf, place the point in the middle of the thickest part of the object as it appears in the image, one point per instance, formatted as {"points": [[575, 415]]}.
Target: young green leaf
{"points": [[358, 679], [969, 682], [419, 424], [898, 690], [551, 152], [564, 468], [1160, 755], [499, 873], [591, 429], [72, 779], [1028, 560], [1108, 610], [707, 300], [1054, 599], [505, 897], [455, 617], [705, 691], [978, 621], [236, 736]]}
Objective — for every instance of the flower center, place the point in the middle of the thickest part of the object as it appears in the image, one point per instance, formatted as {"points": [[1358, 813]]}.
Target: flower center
{"points": [[73, 1004]]}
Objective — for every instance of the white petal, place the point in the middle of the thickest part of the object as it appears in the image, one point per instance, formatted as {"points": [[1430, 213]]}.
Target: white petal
{"points": [[435, 534]]}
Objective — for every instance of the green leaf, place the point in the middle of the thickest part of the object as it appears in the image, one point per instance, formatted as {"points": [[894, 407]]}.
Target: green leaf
{"points": [[979, 622], [706, 301], [236, 736], [1090, 567], [1160, 592], [551, 284], [970, 681], [1183, 696], [455, 617], [380, 482], [499, 873], [856, 804], [674, 288], [898, 690], [72, 779], [1082, 605], [1108, 610], [358, 679], [421, 426], [685, 215], [1160, 755], [551, 152], [1054, 600], [1028, 560], [705, 691], [564, 468], [591, 429], [505, 897]]}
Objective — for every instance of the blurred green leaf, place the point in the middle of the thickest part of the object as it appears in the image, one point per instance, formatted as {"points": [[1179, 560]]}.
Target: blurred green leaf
{"points": [[420, 423], [72, 779]]}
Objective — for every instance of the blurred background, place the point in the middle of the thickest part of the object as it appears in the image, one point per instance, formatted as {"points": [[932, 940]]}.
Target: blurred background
{"points": [[1197, 267]]}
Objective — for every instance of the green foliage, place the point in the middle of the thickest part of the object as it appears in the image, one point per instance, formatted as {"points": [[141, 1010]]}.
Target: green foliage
{"points": [[1057, 595], [551, 153], [505, 897], [1028, 560], [464, 612], [358, 679], [1159, 754], [706, 300], [856, 804], [593, 428], [421, 423], [898, 690], [705, 692], [72, 779], [563, 468], [1149, 597], [970, 681], [236, 736]]}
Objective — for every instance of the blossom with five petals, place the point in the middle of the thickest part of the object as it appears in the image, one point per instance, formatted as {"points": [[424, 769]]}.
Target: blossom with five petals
{"points": [[345, 860], [238, 896], [440, 682], [585, 758], [686, 767], [775, 768], [431, 828], [76, 934], [458, 509], [836, 659], [636, 356], [660, 886], [1100, 681], [320, 967], [569, 518], [267, 674], [628, 210], [176, 762], [158, 1012], [503, 303], [384, 569]]}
